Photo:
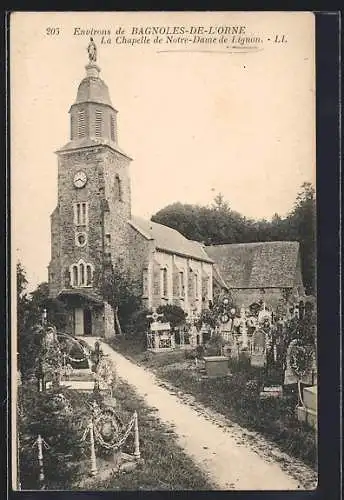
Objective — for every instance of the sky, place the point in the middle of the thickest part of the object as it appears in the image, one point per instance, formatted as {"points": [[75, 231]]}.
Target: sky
{"points": [[196, 122]]}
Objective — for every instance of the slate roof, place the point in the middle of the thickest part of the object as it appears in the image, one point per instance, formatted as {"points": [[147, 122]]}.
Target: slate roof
{"points": [[169, 239], [270, 264], [93, 89]]}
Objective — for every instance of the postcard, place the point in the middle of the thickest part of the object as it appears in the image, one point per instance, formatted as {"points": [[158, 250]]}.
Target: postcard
{"points": [[163, 233]]}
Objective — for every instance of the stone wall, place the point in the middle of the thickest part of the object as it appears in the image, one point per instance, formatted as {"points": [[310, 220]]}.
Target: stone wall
{"points": [[106, 227], [54, 268], [116, 177], [109, 324], [68, 195], [174, 264], [140, 255]]}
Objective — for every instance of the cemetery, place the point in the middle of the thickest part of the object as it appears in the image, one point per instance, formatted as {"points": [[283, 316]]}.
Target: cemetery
{"points": [[84, 428], [257, 366]]}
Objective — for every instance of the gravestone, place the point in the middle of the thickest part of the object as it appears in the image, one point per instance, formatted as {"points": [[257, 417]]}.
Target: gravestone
{"points": [[216, 366], [309, 412], [258, 349], [160, 337]]}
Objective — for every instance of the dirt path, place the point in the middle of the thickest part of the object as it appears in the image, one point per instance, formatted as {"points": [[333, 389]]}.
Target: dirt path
{"points": [[222, 452]]}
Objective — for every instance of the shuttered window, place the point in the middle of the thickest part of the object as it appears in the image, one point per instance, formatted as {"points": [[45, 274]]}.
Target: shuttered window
{"points": [[98, 128], [81, 124], [72, 126], [112, 128]]}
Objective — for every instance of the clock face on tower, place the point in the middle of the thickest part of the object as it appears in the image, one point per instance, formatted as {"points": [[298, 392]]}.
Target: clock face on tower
{"points": [[80, 179]]}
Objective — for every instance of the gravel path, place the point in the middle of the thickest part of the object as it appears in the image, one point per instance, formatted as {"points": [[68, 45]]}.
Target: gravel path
{"points": [[222, 452]]}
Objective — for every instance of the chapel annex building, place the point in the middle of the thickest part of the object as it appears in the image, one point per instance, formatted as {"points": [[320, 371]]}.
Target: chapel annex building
{"points": [[93, 230]]}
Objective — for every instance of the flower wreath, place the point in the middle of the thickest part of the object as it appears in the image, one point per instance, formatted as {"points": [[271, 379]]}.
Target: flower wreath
{"points": [[301, 359]]}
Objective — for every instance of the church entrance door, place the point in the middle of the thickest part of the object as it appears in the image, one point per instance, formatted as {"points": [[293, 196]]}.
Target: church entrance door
{"points": [[78, 321], [87, 322]]}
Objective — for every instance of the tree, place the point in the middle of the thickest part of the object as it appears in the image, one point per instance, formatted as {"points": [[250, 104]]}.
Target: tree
{"points": [[217, 224], [29, 314], [220, 203], [27, 344], [121, 291], [302, 220], [56, 309], [22, 298]]}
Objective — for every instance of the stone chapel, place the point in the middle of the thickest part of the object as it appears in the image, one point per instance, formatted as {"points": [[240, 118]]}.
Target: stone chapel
{"points": [[93, 230]]}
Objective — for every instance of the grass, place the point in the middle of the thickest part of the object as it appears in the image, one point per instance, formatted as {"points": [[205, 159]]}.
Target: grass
{"points": [[236, 397]]}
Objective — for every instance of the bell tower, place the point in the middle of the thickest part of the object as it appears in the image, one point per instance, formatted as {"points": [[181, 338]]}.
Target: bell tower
{"points": [[89, 226]]}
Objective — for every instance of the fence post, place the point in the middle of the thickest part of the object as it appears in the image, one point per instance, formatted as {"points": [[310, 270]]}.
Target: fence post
{"points": [[40, 461], [93, 451], [137, 453]]}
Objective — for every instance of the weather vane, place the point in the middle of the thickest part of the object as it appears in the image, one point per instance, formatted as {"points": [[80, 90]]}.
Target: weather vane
{"points": [[92, 51]]}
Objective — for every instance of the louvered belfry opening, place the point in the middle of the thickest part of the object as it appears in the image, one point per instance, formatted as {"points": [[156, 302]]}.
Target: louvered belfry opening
{"points": [[81, 124], [98, 124], [112, 128]]}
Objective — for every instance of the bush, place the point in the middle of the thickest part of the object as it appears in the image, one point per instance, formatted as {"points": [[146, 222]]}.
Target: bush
{"points": [[172, 314], [138, 324], [60, 425]]}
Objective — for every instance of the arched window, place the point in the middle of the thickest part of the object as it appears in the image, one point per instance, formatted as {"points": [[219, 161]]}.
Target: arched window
{"points": [[81, 274], [181, 284], [196, 289], [164, 282], [81, 213], [118, 188], [74, 275], [88, 275], [145, 288]]}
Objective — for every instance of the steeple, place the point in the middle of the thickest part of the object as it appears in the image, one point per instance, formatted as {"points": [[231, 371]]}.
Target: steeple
{"points": [[92, 115]]}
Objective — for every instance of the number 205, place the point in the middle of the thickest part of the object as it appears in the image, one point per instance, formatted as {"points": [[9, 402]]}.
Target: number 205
{"points": [[52, 31]]}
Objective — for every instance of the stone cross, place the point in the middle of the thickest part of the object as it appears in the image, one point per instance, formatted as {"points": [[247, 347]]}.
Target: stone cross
{"points": [[155, 316], [193, 316], [243, 327]]}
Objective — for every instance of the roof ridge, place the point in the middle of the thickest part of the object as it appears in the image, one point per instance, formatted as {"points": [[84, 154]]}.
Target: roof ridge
{"points": [[252, 243], [169, 239]]}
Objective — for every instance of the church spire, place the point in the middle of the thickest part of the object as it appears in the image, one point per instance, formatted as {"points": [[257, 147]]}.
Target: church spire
{"points": [[92, 114]]}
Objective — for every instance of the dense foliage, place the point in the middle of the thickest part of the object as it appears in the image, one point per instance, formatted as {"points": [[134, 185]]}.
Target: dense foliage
{"points": [[219, 224], [59, 416], [30, 308], [172, 314], [121, 291]]}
